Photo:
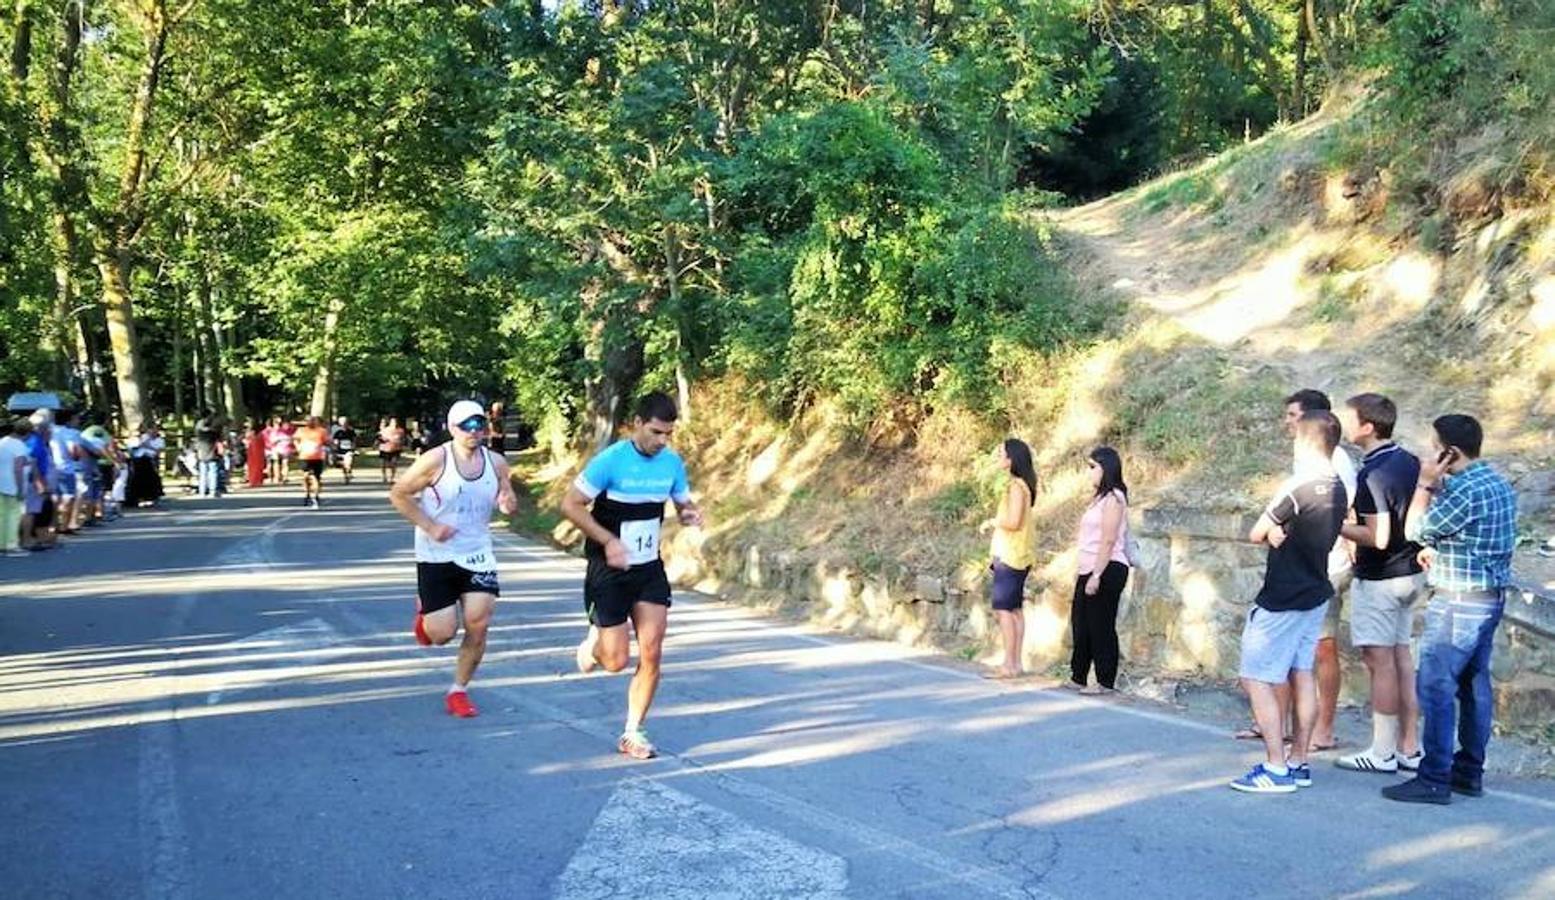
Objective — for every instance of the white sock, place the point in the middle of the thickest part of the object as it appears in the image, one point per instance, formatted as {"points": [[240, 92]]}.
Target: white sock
{"points": [[631, 726], [458, 688], [1384, 735], [1273, 769]]}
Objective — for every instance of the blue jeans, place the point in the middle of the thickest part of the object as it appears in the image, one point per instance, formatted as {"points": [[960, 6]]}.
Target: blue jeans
{"points": [[1454, 687], [210, 477]]}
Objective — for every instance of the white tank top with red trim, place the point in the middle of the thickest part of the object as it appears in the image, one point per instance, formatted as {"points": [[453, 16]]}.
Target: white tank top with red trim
{"points": [[466, 504]]}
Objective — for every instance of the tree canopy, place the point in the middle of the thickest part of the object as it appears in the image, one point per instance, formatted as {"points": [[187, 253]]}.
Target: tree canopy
{"points": [[370, 206]]}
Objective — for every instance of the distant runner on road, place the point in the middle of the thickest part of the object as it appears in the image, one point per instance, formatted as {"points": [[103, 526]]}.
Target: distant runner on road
{"points": [[391, 443], [342, 439], [448, 494], [312, 444], [627, 485]]}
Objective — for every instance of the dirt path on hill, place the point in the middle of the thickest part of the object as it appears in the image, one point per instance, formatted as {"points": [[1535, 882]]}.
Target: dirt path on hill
{"points": [[1209, 276]]}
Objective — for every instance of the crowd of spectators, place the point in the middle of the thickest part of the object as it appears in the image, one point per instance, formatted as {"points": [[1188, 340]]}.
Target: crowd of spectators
{"points": [[60, 474]]}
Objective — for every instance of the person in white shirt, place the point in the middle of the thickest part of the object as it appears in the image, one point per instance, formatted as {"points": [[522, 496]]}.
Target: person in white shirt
{"points": [[15, 471], [449, 496]]}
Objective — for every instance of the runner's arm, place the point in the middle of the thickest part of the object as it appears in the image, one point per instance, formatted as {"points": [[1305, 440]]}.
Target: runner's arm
{"points": [[420, 476], [507, 499], [575, 508], [690, 513]]}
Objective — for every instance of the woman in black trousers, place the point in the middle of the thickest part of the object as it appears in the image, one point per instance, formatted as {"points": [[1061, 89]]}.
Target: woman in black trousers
{"points": [[1102, 574]]}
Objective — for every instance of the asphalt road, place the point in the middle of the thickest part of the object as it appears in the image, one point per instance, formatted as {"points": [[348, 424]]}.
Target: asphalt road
{"points": [[222, 700]]}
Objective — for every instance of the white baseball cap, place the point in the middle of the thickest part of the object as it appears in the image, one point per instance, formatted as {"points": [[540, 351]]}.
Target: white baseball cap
{"points": [[463, 410]]}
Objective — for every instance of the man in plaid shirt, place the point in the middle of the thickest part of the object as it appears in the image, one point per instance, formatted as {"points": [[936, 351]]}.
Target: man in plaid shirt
{"points": [[1465, 514]]}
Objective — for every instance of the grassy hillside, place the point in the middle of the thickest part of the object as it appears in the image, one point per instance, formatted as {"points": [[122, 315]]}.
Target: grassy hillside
{"points": [[1282, 264]]}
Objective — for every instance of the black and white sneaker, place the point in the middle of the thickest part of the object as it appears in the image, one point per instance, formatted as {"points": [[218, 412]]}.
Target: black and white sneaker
{"points": [[1365, 761]]}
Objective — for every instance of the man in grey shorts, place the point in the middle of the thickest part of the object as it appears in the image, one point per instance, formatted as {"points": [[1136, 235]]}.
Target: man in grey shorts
{"points": [[1279, 641], [1388, 581]]}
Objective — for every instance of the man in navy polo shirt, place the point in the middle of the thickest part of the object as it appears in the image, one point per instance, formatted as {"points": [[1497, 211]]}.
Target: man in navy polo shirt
{"points": [[1388, 581], [1279, 641], [618, 502]]}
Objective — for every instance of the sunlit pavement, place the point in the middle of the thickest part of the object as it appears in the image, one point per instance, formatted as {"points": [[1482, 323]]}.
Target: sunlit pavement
{"points": [[222, 700]]}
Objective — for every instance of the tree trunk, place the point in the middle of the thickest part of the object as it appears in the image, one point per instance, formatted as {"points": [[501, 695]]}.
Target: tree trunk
{"points": [[178, 356], [88, 350], [682, 316], [232, 388], [621, 367], [1315, 35], [21, 41], [210, 354], [67, 336], [114, 266], [1299, 99], [117, 231], [324, 378]]}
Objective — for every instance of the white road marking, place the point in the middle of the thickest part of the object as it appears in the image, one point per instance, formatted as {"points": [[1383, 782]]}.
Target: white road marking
{"points": [[987, 881], [165, 853], [650, 840], [310, 634]]}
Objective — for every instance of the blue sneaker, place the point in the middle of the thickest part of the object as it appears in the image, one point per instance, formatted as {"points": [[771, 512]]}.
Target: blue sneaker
{"points": [[1302, 774], [1260, 780]]}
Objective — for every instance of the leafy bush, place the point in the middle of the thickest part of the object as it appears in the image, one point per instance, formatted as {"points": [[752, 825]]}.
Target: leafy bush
{"points": [[1447, 67], [862, 273]]}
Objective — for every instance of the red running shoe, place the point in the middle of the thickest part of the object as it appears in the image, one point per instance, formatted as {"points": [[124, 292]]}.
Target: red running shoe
{"points": [[459, 705], [420, 631]]}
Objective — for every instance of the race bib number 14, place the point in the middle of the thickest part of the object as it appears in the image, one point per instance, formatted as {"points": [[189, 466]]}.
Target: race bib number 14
{"points": [[641, 538]]}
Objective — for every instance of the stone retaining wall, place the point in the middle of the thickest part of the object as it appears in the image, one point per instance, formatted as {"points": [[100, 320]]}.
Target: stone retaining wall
{"points": [[1182, 613]]}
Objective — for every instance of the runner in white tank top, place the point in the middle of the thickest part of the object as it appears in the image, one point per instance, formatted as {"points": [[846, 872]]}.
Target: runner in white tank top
{"points": [[448, 495], [465, 504]]}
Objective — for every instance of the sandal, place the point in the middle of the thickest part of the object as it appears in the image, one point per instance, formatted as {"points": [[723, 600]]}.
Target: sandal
{"points": [[1001, 675]]}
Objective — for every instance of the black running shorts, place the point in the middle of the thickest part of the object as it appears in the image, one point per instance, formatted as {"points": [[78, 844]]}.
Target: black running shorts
{"points": [[609, 594], [440, 585], [314, 467]]}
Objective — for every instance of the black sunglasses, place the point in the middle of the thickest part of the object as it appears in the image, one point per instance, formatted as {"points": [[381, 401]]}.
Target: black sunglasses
{"points": [[474, 423]]}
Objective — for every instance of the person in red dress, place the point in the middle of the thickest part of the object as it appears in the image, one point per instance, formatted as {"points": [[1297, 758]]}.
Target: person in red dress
{"points": [[254, 440]]}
